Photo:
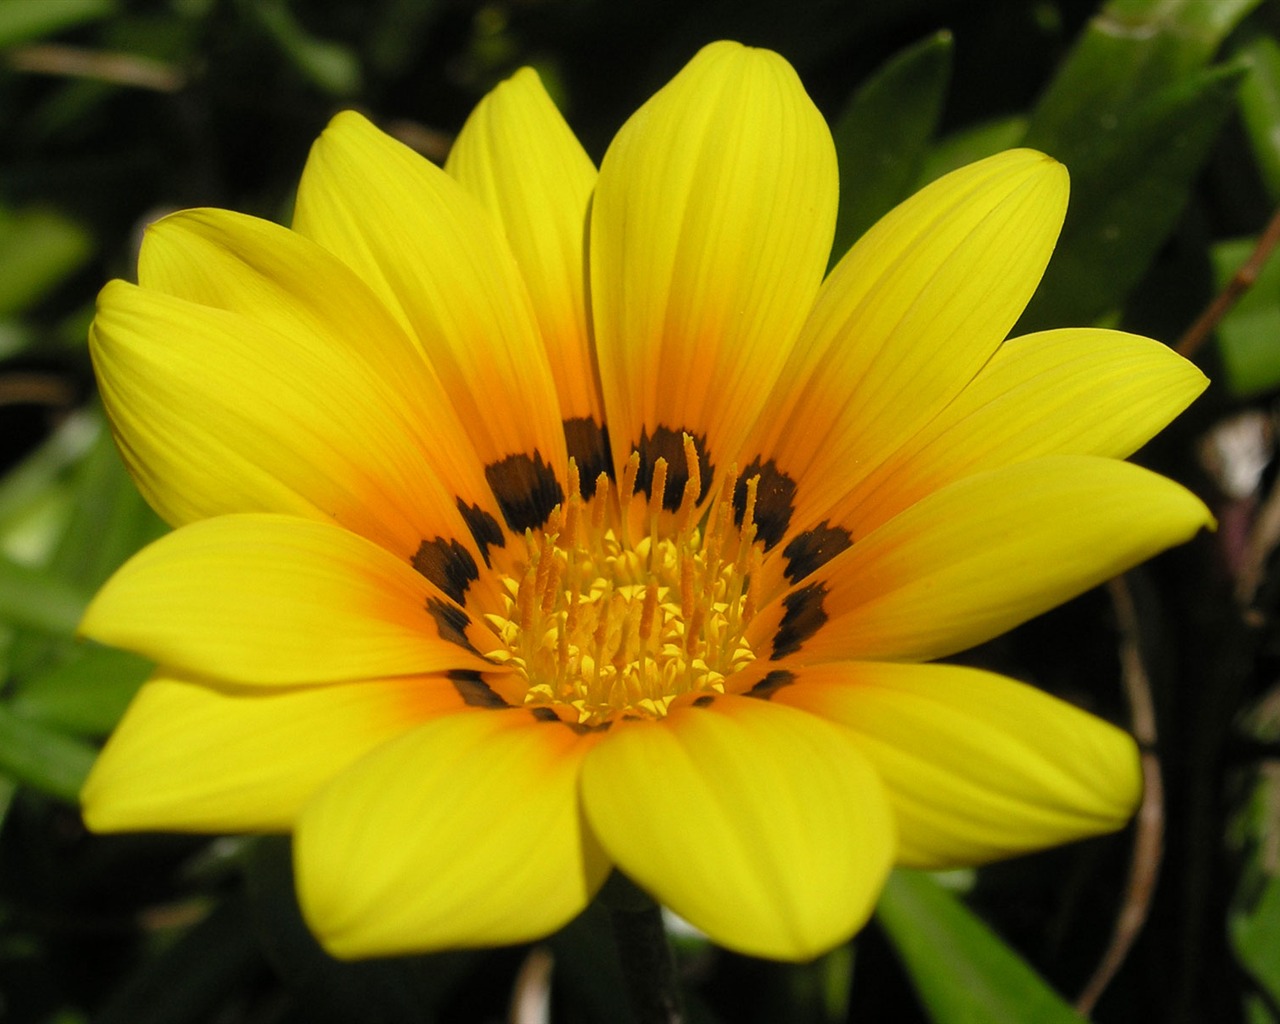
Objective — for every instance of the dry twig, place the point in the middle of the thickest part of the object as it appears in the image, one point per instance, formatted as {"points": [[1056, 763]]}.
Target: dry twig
{"points": [[103, 66], [1198, 333], [1148, 839]]}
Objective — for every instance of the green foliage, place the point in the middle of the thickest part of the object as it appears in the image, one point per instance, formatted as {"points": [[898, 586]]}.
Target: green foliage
{"points": [[38, 249], [883, 135], [1260, 108], [23, 22], [1132, 112], [964, 972], [1167, 114], [1249, 335]]}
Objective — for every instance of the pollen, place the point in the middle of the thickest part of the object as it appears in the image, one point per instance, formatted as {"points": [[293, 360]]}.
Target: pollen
{"points": [[619, 606]]}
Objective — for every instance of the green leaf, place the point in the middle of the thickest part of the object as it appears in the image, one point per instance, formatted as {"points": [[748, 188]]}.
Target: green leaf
{"points": [[1249, 335], [109, 519], [43, 758], [1132, 113], [970, 144], [1130, 51], [36, 599], [1129, 186], [1255, 935], [882, 134], [1257, 1012], [1260, 109], [29, 484], [963, 972], [27, 20], [331, 67], [38, 248], [84, 692], [1254, 916]]}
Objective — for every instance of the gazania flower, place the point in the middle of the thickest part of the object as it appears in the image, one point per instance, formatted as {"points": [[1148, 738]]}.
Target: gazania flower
{"points": [[533, 522]]}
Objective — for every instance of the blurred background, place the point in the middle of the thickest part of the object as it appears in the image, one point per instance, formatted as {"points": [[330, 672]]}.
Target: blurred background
{"points": [[1167, 113]]}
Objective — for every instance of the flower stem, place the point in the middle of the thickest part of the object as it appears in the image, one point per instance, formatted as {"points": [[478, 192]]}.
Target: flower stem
{"points": [[648, 967]]}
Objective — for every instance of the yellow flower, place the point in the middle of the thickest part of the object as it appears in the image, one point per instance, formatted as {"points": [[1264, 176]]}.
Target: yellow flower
{"points": [[533, 522]]}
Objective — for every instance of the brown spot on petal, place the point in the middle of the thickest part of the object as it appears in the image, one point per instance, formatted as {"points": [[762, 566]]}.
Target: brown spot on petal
{"points": [[588, 444], [526, 488], [775, 500], [771, 684], [804, 616], [705, 701], [812, 549], [451, 623], [547, 715], [669, 444], [447, 564], [474, 690], [484, 528]]}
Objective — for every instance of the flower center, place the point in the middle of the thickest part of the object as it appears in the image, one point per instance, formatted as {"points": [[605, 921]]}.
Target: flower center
{"points": [[621, 606]]}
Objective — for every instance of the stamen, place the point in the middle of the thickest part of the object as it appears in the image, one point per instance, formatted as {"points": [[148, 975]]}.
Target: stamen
{"points": [[528, 591], [692, 487], [659, 487], [686, 586], [646, 616], [552, 587], [575, 482], [599, 506], [629, 474], [600, 625], [626, 491], [749, 513]]}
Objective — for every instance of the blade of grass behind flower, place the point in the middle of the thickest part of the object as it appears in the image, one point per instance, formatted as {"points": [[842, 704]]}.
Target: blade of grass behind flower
{"points": [[38, 600], [24, 22], [1133, 113], [1260, 109], [963, 972], [40, 757], [882, 134]]}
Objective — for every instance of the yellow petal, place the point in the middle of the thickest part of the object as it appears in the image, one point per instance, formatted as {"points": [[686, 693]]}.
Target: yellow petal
{"points": [[216, 413], [907, 318], [977, 766], [193, 757], [273, 600], [1066, 392], [765, 828], [359, 388], [710, 230], [517, 156], [465, 832], [439, 262], [979, 557]]}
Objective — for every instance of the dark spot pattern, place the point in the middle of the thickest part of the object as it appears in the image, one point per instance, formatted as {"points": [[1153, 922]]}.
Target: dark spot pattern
{"points": [[451, 623], [669, 444], [474, 690], [771, 684], [812, 549], [484, 528], [587, 442], [705, 701], [803, 617], [526, 488], [775, 500], [548, 715], [447, 564]]}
